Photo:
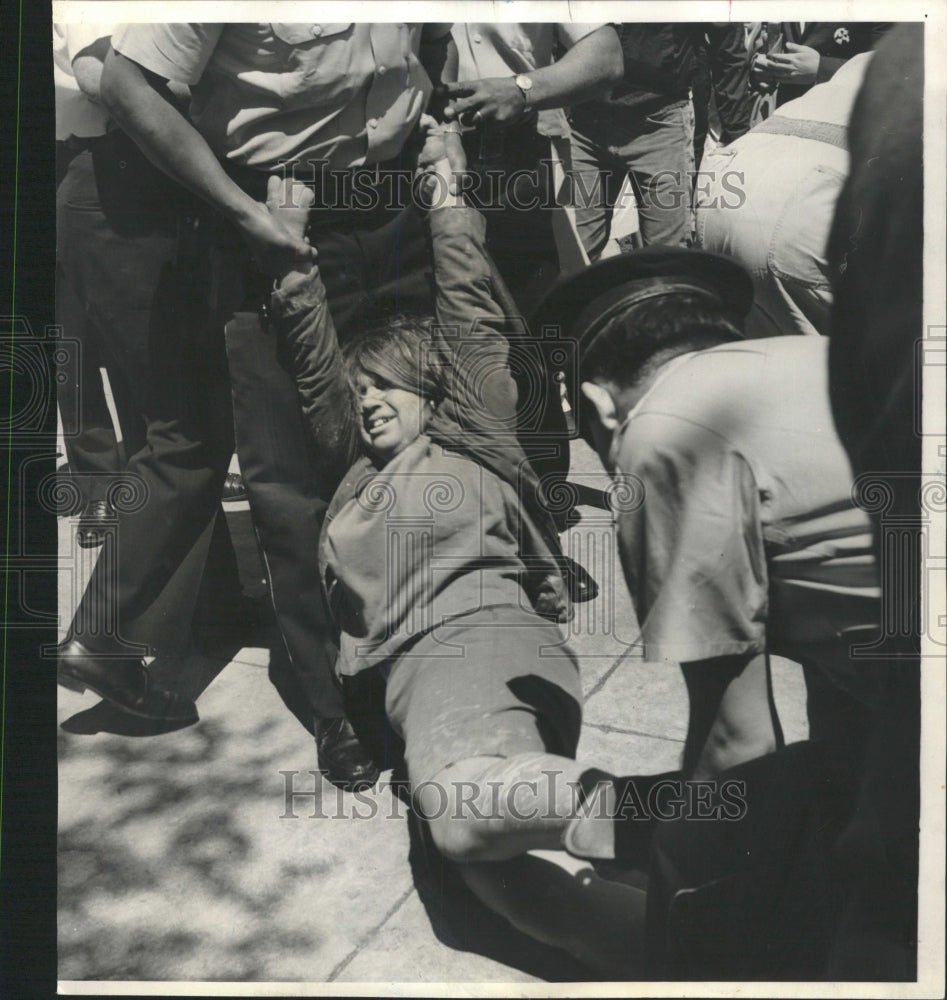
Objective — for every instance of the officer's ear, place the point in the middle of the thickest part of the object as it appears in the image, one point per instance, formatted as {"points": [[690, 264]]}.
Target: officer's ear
{"points": [[602, 415], [603, 405]]}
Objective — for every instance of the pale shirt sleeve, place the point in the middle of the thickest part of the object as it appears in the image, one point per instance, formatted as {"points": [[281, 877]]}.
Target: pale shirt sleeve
{"points": [[692, 550], [81, 36], [76, 114], [178, 52]]}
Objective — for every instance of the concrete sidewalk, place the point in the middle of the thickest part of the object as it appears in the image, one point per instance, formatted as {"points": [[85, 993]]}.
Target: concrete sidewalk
{"points": [[182, 856]]}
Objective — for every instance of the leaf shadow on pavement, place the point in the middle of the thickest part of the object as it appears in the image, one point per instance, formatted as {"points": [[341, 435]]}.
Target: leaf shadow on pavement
{"points": [[177, 884]]}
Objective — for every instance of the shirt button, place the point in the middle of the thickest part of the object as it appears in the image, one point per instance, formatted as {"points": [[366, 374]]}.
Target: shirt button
{"points": [[373, 123], [316, 30], [478, 39], [381, 70]]}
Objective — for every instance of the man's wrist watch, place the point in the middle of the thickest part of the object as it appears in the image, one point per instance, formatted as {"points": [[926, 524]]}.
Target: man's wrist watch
{"points": [[525, 85]]}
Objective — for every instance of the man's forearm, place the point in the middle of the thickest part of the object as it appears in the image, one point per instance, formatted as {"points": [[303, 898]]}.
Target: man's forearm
{"points": [[167, 138], [590, 67]]}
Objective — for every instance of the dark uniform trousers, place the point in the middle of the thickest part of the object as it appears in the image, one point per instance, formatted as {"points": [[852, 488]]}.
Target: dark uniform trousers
{"points": [[123, 281], [92, 448]]}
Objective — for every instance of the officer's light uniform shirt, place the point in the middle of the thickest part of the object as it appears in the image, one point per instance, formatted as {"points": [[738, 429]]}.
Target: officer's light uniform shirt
{"points": [[268, 93], [748, 538]]}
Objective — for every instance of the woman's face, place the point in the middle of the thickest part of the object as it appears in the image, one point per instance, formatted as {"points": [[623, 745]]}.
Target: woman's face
{"points": [[389, 418]]}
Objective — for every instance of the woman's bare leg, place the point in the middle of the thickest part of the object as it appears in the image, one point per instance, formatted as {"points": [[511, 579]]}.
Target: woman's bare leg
{"points": [[486, 813]]}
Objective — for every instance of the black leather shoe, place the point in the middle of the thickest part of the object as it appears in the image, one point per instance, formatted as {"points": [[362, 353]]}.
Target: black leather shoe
{"points": [[342, 759], [97, 517], [123, 682], [581, 583], [234, 488]]}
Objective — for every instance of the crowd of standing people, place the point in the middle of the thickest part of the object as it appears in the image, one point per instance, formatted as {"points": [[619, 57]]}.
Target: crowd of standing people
{"points": [[337, 249]]}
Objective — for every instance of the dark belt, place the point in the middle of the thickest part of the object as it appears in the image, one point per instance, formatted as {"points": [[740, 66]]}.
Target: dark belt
{"points": [[75, 144], [803, 128]]}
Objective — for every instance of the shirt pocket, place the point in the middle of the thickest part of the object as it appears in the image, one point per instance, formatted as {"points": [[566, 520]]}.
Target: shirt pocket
{"points": [[305, 34], [317, 64]]}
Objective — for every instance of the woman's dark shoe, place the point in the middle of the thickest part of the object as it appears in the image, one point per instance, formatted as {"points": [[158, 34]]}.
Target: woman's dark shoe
{"points": [[342, 758], [124, 682], [95, 520], [234, 488]]}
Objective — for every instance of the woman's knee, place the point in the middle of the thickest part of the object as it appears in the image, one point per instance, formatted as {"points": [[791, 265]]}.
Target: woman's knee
{"points": [[454, 829], [452, 804]]}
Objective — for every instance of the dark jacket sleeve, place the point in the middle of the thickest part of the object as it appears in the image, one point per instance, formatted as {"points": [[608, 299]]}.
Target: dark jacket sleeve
{"points": [[472, 329], [309, 348], [864, 38], [479, 412], [729, 73]]}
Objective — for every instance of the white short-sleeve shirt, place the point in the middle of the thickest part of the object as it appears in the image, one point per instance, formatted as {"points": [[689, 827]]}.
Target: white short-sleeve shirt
{"points": [[270, 93]]}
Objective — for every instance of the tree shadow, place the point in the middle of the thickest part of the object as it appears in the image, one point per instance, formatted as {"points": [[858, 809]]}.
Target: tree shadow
{"points": [[168, 878]]}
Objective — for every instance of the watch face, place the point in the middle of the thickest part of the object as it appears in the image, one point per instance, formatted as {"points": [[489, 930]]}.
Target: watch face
{"points": [[524, 82]]}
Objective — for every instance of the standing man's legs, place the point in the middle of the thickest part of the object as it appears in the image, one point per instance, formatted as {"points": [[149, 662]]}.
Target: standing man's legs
{"points": [[657, 150], [659, 153], [280, 471], [91, 441], [594, 188], [147, 297], [179, 372]]}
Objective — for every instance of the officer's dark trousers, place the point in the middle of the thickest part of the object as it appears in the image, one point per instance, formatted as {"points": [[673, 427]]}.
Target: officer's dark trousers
{"points": [[91, 442]]}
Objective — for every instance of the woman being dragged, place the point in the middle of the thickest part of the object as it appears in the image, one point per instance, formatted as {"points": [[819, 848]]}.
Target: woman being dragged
{"points": [[443, 573]]}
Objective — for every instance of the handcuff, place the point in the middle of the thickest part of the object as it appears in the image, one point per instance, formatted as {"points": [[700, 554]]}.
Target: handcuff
{"points": [[458, 126]]}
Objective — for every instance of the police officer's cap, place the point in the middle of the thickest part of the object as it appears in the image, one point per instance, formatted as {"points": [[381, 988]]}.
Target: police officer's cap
{"points": [[583, 304]]}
